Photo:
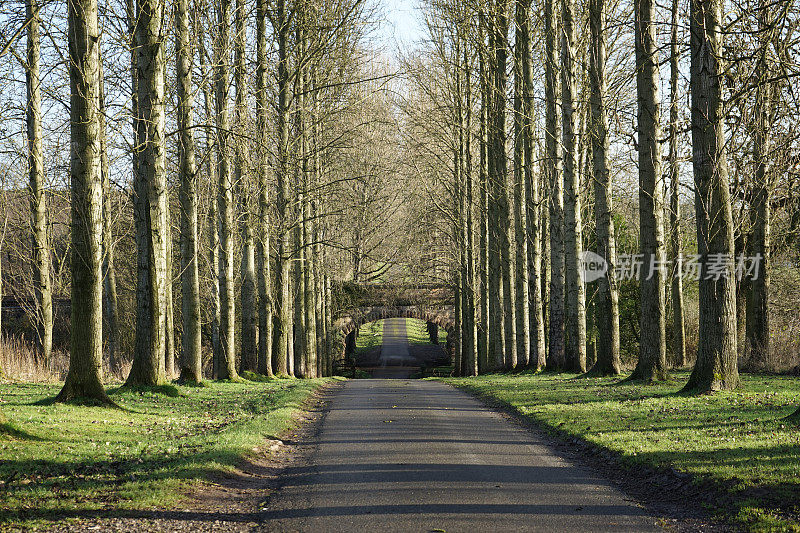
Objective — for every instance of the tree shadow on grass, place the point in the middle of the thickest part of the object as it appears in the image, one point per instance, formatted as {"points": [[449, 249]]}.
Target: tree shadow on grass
{"points": [[10, 430]]}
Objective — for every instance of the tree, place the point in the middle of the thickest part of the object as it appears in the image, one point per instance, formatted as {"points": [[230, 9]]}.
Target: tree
{"points": [[608, 362], [678, 330], [84, 378], [554, 179], [152, 244], [652, 363], [575, 324], [110, 302], [501, 269], [281, 337], [191, 365], [716, 366], [263, 251], [533, 230], [40, 244], [225, 207], [521, 166]]}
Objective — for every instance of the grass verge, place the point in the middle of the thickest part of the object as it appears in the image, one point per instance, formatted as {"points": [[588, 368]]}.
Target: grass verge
{"points": [[61, 461], [370, 336], [417, 332], [736, 445]]}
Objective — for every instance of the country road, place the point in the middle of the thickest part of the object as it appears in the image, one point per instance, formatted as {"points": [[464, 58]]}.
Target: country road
{"points": [[412, 455]]}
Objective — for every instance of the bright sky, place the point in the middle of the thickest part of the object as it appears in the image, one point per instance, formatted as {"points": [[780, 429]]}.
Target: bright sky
{"points": [[403, 22]]}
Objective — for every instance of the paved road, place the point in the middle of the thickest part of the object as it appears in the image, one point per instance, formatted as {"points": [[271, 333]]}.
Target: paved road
{"points": [[395, 360], [410, 455]]}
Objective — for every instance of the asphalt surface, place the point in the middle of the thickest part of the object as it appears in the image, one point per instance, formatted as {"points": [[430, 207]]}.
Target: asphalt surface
{"points": [[395, 360], [411, 455]]}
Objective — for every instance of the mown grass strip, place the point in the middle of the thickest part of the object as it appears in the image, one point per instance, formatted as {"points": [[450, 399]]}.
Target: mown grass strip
{"points": [[60, 461]]}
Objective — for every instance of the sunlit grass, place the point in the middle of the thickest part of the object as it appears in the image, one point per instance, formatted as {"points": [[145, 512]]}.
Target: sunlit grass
{"points": [[739, 441], [58, 461]]}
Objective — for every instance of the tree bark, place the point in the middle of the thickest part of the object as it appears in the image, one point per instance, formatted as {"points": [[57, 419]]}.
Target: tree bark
{"points": [[575, 324], [225, 207], [151, 202], [758, 321], [191, 364], [555, 351], [716, 366], [652, 363], [607, 306], [249, 326], [84, 378], [501, 266], [263, 250], [213, 236], [110, 307], [39, 242], [282, 331], [532, 235], [678, 323], [521, 164]]}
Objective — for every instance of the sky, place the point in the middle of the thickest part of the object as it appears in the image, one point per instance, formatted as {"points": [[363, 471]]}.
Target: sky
{"points": [[403, 24]]}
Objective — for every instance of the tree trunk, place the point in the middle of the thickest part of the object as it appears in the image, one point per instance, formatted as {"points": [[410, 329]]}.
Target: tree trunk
{"points": [[39, 243], [716, 366], [678, 328], [110, 308], [249, 331], [470, 329], [84, 378], [535, 358], [263, 251], [151, 201], [500, 257], [758, 321], [282, 332], [169, 317], [521, 164], [225, 207], [555, 351], [191, 365], [652, 363], [607, 306], [484, 358], [213, 236], [575, 324]]}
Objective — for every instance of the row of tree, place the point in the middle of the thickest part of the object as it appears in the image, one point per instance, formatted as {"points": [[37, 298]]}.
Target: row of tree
{"points": [[272, 175], [544, 163]]}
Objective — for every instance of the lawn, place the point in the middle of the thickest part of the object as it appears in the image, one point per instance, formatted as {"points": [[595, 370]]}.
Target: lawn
{"points": [[58, 461], [417, 332], [370, 336], [738, 442]]}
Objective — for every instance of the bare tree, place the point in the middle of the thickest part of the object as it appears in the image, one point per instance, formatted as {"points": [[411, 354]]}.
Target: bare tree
{"points": [[191, 354], [40, 244], [148, 366], [716, 366], [575, 324], [84, 378], [554, 179], [263, 251], [608, 362], [652, 363], [678, 326], [225, 207]]}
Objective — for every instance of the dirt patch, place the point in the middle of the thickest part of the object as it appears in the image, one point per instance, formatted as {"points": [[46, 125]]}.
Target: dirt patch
{"points": [[231, 502]]}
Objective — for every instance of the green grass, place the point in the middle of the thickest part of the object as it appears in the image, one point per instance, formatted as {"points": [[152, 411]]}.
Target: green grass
{"points": [[739, 442], [61, 461], [417, 332], [370, 336]]}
